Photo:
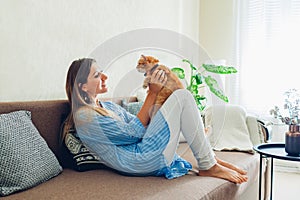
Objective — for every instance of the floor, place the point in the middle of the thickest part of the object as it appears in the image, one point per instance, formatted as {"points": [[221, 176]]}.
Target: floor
{"points": [[286, 186]]}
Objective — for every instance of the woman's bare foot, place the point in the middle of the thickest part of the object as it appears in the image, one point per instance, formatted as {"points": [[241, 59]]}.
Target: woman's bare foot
{"points": [[231, 166], [223, 172]]}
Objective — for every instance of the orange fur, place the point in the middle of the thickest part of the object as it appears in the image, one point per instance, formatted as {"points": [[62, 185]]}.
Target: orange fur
{"points": [[145, 64]]}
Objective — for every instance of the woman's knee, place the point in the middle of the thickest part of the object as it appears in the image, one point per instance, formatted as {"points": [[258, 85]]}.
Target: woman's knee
{"points": [[181, 91], [183, 94]]}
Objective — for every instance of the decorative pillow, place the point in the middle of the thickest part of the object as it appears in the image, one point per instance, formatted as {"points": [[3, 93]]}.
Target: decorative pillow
{"points": [[227, 128], [132, 107], [25, 158], [83, 159]]}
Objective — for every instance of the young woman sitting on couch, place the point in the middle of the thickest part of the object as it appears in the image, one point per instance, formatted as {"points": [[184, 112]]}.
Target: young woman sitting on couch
{"points": [[137, 145]]}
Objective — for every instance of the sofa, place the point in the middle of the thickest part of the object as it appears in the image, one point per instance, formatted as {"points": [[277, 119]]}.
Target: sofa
{"points": [[48, 116]]}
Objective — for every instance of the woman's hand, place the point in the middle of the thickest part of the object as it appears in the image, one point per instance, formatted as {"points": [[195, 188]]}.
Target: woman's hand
{"points": [[157, 81]]}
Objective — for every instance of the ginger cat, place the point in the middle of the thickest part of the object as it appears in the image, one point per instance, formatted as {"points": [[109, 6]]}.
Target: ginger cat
{"points": [[147, 65]]}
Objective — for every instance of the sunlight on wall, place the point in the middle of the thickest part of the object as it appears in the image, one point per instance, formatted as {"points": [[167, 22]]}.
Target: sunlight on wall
{"points": [[217, 35]]}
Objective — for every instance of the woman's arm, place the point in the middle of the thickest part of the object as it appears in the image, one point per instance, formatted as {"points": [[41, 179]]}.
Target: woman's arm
{"points": [[93, 127], [157, 81]]}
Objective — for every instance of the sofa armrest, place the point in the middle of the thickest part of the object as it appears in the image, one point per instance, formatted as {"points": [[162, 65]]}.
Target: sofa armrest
{"points": [[259, 130], [266, 129]]}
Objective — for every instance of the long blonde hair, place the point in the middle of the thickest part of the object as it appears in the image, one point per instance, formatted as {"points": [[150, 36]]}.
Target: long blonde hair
{"points": [[77, 75]]}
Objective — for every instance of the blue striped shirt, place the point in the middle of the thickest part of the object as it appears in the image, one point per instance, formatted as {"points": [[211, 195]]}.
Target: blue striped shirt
{"points": [[124, 144]]}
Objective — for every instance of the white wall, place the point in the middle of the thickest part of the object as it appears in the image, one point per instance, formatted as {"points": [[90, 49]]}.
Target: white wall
{"points": [[39, 39], [217, 28], [218, 38]]}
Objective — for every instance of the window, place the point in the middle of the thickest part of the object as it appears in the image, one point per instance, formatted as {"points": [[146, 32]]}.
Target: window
{"points": [[268, 55]]}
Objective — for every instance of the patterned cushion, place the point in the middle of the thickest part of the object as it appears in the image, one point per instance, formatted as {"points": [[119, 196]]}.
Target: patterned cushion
{"points": [[83, 159], [25, 158], [132, 107]]}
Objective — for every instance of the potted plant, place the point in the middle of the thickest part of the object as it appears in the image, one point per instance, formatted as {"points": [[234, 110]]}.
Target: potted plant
{"points": [[199, 79], [292, 136]]}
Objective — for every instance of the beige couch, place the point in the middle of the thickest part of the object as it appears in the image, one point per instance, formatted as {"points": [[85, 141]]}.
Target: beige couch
{"points": [[106, 184]]}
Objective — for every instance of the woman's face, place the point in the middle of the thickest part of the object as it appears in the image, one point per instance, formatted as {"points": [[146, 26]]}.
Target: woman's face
{"points": [[95, 82]]}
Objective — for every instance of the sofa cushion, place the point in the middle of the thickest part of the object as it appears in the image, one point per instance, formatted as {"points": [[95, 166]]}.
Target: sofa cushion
{"points": [[82, 159], [25, 158], [107, 184], [47, 116], [132, 107]]}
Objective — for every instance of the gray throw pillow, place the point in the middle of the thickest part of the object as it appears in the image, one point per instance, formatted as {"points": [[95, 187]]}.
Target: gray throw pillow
{"points": [[25, 158]]}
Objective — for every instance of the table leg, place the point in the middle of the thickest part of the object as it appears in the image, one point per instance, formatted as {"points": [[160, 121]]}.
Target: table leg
{"points": [[271, 192], [260, 176]]}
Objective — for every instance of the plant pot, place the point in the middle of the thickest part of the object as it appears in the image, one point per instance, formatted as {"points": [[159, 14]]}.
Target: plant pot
{"points": [[292, 140]]}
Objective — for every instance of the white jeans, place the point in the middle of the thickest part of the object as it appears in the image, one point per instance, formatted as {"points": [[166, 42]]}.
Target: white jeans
{"points": [[182, 115]]}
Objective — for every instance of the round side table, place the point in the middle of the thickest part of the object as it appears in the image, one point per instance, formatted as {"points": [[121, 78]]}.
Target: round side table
{"points": [[272, 150]]}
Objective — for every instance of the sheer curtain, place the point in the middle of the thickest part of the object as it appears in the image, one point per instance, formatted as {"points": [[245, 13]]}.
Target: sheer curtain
{"points": [[267, 52]]}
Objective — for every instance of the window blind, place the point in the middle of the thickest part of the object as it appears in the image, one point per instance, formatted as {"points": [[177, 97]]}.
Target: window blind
{"points": [[267, 52]]}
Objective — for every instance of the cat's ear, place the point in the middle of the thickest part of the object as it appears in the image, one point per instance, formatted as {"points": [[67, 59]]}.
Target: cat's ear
{"points": [[151, 59], [155, 60]]}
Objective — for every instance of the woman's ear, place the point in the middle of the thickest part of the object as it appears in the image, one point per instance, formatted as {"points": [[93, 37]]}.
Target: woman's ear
{"points": [[83, 87]]}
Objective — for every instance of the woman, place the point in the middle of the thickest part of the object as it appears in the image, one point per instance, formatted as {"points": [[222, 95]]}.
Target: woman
{"points": [[136, 145]]}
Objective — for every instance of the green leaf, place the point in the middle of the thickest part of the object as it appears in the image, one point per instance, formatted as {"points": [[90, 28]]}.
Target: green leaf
{"points": [[214, 88], [179, 72], [219, 69], [191, 65], [199, 99], [194, 89], [198, 79]]}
